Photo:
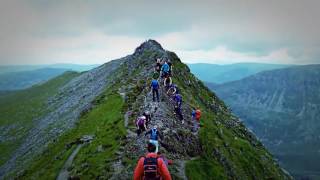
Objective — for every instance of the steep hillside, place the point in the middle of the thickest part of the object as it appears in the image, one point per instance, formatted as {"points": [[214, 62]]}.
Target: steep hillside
{"points": [[42, 113], [102, 143], [282, 107], [19, 109], [218, 74], [26, 79]]}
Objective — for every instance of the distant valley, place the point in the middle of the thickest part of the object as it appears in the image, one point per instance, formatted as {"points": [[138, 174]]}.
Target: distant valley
{"points": [[282, 107]]}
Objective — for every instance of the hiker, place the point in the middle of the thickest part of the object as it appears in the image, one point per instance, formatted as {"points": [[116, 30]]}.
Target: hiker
{"points": [[155, 89], [165, 160], [158, 66], [196, 114], [141, 124], [151, 167], [170, 67], [173, 89], [177, 106], [148, 117], [154, 136], [165, 70], [167, 82]]}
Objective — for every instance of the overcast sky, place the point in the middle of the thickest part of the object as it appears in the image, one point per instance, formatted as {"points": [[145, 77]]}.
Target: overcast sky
{"points": [[222, 32]]}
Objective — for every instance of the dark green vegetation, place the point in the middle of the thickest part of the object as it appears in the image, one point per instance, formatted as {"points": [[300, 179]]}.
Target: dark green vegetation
{"points": [[25, 79], [223, 149], [214, 73], [282, 107], [19, 109]]}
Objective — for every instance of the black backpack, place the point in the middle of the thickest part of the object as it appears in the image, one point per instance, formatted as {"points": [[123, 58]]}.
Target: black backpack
{"points": [[150, 166]]}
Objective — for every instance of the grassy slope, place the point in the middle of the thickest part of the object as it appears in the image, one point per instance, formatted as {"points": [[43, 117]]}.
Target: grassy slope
{"points": [[105, 122], [246, 160], [20, 108]]}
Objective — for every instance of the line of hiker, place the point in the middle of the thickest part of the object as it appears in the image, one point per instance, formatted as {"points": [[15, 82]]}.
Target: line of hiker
{"points": [[154, 165]]}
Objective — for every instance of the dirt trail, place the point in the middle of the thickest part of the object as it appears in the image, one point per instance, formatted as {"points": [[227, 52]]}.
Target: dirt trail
{"points": [[64, 173]]}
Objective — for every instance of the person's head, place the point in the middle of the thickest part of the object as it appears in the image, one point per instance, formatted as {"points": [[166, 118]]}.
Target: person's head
{"points": [[155, 127], [151, 148], [147, 113], [158, 60]]}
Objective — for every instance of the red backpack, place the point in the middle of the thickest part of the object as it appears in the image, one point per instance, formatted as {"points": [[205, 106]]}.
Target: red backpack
{"points": [[150, 166]]}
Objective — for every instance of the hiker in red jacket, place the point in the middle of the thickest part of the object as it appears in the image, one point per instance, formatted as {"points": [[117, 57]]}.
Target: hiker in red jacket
{"points": [[196, 115], [151, 166]]}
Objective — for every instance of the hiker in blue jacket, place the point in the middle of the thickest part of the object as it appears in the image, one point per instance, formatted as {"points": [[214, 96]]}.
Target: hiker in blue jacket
{"points": [[165, 70], [155, 89], [154, 136]]}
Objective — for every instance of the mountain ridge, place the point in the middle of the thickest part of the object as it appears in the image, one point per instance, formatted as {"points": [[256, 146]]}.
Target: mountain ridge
{"points": [[219, 74], [223, 145]]}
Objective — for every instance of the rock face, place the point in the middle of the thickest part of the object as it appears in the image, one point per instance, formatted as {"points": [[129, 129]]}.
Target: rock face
{"points": [[223, 148], [282, 107]]}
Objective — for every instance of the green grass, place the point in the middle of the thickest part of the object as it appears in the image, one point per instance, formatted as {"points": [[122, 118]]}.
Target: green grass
{"points": [[20, 108], [105, 122], [204, 169], [236, 153]]}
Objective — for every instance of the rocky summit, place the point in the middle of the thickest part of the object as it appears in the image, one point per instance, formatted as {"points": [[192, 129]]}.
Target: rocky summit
{"points": [[87, 128]]}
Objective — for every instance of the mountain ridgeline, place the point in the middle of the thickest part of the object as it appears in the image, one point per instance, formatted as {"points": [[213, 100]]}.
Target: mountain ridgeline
{"points": [[86, 129], [282, 108], [218, 74]]}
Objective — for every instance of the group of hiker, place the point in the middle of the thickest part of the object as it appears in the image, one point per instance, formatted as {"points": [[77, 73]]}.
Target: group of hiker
{"points": [[154, 165]]}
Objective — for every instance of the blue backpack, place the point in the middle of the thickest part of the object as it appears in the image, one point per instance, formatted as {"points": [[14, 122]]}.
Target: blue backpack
{"points": [[165, 68], [154, 134], [154, 84]]}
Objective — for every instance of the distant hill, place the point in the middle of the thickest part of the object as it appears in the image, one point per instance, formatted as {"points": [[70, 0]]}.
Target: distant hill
{"points": [[24, 76], [25, 79], [282, 107], [73, 67], [225, 73]]}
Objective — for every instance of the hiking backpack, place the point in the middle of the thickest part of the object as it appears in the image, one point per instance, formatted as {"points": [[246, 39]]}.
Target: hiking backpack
{"points": [[154, 84], [154, 134], [165, 68], [140, 121], [150, 166]]}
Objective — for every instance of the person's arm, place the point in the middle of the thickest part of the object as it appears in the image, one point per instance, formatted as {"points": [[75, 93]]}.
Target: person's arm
{"points": [[144, 124], [138, 172], [160, 135], [164, 172], [174, 90], [148, 132]]}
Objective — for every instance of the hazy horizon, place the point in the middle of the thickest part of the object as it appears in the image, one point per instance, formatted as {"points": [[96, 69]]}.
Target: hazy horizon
{"points": [[216, 32]]}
